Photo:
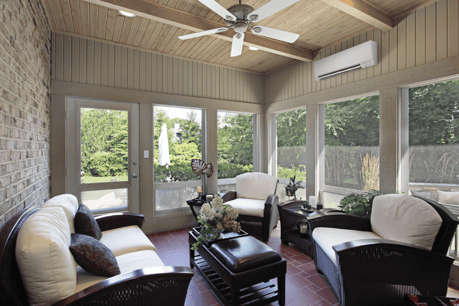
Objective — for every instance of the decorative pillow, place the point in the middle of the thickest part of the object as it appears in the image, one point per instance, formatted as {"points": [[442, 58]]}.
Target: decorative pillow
{"points": [[448, 197], [93, 256], [86, 224], [47, 267]]}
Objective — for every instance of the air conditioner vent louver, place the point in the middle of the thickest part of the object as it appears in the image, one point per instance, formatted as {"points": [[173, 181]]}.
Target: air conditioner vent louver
{"points": [[362, 56]]}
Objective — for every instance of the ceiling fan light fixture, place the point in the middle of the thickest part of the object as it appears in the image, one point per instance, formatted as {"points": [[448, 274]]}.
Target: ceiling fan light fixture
{"points": [[126, 14], [254, 48]]}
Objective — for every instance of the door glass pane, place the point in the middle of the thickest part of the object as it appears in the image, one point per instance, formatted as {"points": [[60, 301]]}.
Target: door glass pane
{"points": [[104, 145], [352, 144], [234, 144], [98, 200]]}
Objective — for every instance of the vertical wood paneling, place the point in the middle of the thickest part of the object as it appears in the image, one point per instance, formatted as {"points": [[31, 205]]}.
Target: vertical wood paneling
{"points": [[75, 59], [442, 30], [104, 65], [431, 34], [97, 62], [159, 74], [175, 73], [136, 57], [83, 65], [124, 67], [90, 62], [370, 70], [148, 71], [130, 68], [421, 36], [377, 70], [411, 40], [401, 50], [142, 72], [453, 30], [393, 54], [385, 52], [118, 69], [111, 66], [67, 58]]}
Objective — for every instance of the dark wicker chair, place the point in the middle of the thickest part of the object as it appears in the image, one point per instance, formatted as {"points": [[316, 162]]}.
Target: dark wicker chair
{"points": [[258, 226], [381, 272], [151, 286]]}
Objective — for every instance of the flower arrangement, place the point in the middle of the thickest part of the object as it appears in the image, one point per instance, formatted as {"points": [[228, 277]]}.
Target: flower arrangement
{"points": [[215, 219]]}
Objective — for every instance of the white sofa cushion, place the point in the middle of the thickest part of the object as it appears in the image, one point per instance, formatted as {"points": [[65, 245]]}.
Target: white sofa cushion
{"points": [[69, 203], [406, 219], [327, 237], [127, 263], [448, 197], [47, 267], [126, 240], [248, 207], [255, 185]]}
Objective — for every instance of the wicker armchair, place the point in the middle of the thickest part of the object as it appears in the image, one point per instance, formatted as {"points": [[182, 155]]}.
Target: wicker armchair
{"points": [[380, 271], [256, 203], [151, 286]]}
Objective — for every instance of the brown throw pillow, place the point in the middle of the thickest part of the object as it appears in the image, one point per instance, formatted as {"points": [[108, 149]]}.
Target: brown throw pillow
{"points": [[86, 224], [93, 256]]}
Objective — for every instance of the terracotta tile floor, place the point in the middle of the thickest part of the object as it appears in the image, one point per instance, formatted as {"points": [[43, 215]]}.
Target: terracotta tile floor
{"points": [[304, 286]]}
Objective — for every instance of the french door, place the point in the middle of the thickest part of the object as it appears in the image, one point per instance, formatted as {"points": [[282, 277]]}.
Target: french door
{"points": [[102, 154]]}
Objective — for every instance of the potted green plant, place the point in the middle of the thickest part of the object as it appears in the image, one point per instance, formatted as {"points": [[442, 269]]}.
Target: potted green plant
{"points": [[292, 187], [359, 204]]}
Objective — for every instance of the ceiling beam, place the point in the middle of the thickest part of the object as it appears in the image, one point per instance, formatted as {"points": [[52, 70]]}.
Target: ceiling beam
{"points": [[177, 18], [365, 12]]}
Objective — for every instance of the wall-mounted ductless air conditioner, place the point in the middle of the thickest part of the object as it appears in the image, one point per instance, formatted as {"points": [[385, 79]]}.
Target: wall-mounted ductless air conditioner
{"points": [[362, 56]]}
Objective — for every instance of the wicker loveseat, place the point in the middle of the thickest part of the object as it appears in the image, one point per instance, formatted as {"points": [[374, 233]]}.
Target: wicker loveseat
{"points": [[144, 280], [401, 250], [256, 203]]}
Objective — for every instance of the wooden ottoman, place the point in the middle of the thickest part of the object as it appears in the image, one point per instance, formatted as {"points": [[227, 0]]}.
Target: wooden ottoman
{"points": [[239, 270]]}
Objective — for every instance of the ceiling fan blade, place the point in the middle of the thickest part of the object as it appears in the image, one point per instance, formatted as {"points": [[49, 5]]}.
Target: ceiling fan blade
{"points": [[275, 34], [270, 8], [203, 33], [238, 42], [217, 8]]}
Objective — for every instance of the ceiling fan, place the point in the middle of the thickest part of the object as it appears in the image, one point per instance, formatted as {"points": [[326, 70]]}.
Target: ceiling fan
{"points": [[241, 17]]}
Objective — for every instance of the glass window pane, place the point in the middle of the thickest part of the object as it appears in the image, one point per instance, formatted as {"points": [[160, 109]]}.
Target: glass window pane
{"points": [[291, 145], [352, 144], [177, 140], [109, 199], [234, 144], [434, 139], [104, 145]]}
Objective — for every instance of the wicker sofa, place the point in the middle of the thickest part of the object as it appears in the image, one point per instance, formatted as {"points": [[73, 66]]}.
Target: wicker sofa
{"points": [[401, 250], [144, 280]]}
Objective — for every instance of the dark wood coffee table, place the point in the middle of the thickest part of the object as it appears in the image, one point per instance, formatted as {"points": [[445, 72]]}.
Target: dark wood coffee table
{"points": [[248, 287]]}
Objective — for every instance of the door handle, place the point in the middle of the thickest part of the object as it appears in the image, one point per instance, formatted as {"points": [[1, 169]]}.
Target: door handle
{"points": [[135, 175]]}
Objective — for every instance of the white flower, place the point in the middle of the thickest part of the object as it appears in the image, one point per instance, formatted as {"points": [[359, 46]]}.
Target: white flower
{"points": [[217, 201], [232, 213], [218, 215], [206, 212]]}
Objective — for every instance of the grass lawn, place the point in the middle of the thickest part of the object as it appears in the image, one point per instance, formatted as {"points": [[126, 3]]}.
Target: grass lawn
{"points": [[90, 179]]}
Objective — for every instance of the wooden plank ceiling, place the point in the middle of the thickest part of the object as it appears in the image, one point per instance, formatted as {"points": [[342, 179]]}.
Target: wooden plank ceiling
{"points": [[318, 24]]}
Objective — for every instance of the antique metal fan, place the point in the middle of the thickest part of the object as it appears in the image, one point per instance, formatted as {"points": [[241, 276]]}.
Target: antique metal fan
{"points": [[241, 17]]}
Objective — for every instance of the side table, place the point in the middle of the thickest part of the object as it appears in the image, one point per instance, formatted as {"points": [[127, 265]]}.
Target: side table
{"points": [[291, 214], [198, 202]]}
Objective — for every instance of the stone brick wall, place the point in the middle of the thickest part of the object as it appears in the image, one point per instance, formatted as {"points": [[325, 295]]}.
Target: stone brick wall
{"points": [[25, 52]]}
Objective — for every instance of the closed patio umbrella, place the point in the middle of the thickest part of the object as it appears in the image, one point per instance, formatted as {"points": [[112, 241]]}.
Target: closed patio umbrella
{"points": [[163, 147]]}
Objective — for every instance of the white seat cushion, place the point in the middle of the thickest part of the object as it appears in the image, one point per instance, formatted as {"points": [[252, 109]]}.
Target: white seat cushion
{"points": [[327, 237], [255, 185], [127, 263], [448, 197], [248, 207], [69, 204], [406, 219], [125, 240], [47, 267]]}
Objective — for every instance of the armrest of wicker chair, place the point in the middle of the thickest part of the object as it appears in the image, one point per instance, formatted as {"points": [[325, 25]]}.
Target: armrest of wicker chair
{"points": [[151, 286], [228, 196], [270, 215], [339, 220], [116, 220], [386, 265]]}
